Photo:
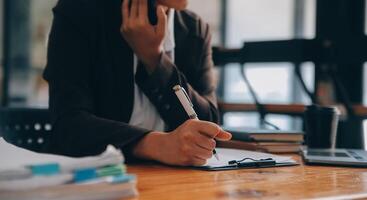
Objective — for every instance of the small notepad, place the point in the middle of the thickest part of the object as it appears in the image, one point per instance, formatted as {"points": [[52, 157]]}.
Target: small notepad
{"points": [[226, 155]]}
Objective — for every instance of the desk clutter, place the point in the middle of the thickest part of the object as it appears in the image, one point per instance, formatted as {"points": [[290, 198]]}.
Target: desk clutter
{"points": [[270, 141], [29, 175]]}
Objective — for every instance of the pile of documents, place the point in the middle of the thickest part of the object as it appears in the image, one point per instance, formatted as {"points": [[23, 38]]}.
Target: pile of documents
{"points": [[29, 175], [272, 141]]}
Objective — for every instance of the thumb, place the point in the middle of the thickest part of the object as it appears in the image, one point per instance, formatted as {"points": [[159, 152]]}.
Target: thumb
{"points": [[223, 135], [162, 21]]}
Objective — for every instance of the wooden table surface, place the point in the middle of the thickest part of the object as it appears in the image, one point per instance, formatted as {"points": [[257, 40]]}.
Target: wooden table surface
{"points": [[159, 182]]}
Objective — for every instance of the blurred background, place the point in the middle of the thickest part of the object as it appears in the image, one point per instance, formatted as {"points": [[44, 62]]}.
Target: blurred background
{"points": [[26, 24]]}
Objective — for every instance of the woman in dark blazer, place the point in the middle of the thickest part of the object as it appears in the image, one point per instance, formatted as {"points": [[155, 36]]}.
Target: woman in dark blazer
{"points": [[102, 53]]}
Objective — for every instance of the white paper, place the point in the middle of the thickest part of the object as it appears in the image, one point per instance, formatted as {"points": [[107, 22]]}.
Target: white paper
{"points": [[35, 182], [18, 183], [226, 155], [14, 160]]}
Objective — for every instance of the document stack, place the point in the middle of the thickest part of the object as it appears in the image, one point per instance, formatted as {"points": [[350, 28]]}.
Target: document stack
{"points": [[271, 141], [29, 175]]}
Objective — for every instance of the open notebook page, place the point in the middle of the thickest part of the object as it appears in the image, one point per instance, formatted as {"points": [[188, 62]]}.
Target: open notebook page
{"points": [[226, 155]]}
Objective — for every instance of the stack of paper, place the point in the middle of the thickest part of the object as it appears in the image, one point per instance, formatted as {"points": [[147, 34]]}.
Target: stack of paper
{"points": [[29, 175]]}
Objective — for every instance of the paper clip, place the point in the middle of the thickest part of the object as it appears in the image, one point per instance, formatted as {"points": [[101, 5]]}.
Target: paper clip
{"points": [[268, 162]]}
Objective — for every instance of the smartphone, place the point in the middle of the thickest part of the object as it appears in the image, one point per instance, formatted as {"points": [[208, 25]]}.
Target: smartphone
{"points": [[152, 12]]}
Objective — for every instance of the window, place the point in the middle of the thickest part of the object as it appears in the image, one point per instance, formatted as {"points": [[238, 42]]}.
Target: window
{"points": [[265, 80], [30, 24], [210, 11], [250, 120], [41, 15], [249, 20], [262, 20], [309, 27], [308, 75]]}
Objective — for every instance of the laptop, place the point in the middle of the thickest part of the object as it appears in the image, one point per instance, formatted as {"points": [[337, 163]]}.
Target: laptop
{"points": [[337, 157]]}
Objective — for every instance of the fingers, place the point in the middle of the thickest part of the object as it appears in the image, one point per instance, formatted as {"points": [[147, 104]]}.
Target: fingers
{"points": [[143, 10], [212, 130], [162, 21], [202, 153], [134, 10], [198, 162], [206, 128], [125, 12], [205, 142], [200, 146], [223, 136], [196, 141]]}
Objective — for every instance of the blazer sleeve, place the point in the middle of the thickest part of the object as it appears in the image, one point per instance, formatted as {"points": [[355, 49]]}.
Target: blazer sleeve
{"points": [[77, 130], [159, 86]]}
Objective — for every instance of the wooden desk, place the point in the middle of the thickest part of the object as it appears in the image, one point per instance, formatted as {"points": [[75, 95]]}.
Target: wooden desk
{"points": [[301, 182]]}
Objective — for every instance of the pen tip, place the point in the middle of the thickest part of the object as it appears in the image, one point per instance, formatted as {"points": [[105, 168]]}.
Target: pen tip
{"points": [[216, 156]]}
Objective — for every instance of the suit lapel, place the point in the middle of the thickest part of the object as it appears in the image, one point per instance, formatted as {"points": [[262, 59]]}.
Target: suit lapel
{"points": [[122, 61], [187, 45], [181, 32]]}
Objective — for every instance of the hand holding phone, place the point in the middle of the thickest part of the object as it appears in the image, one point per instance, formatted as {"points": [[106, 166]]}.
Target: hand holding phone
{"points": [[144, 38]]}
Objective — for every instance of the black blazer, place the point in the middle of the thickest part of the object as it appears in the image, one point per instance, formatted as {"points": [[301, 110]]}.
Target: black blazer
{"points": [[90, 76]]}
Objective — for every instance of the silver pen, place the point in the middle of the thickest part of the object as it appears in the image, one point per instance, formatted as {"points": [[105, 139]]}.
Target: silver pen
{"points": [[186, 103]]}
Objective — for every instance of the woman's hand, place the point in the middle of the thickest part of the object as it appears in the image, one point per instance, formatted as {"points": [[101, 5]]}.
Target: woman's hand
{"points": [[191, 144], [145, 39]]}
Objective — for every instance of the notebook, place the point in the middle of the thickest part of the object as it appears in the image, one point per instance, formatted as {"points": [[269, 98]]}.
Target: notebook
{"points": [[264, 135], [269, 147]]}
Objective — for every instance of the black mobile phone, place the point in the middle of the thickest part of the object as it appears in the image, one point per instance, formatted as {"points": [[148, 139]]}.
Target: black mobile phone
{"points": [[152, 12]]}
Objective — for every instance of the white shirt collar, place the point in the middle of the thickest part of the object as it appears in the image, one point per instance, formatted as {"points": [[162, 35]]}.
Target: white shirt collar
{"points": [[144, 113], [169, 39]]}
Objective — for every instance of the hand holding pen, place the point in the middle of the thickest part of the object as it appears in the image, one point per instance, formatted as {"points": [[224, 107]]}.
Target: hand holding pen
{"points": [[189, 109], [190, 144]]}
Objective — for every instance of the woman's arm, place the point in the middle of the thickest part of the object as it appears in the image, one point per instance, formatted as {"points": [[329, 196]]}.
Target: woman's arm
{"points": [[158, 86], [157, 74], [77, 131]]}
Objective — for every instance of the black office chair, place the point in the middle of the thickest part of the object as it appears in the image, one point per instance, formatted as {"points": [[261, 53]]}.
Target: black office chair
{"points": [[27, 128]]}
